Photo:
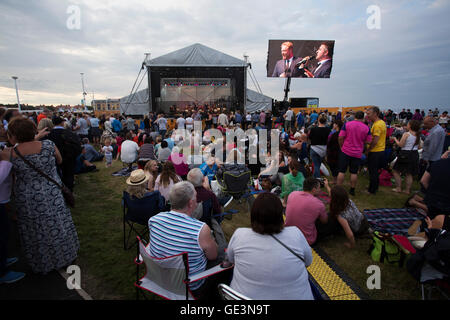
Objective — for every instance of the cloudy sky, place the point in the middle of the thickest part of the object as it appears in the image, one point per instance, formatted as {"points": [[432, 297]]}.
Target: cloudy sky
{"points": [[405, 63]]}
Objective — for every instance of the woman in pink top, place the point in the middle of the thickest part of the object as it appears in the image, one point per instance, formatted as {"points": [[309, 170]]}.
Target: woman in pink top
{"points": [[179, 162]]}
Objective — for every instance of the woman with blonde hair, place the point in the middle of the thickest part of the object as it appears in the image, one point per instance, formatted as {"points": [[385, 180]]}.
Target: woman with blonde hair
{"points": [[45, 123], [151, 168], [136, 183], [166, 179]]}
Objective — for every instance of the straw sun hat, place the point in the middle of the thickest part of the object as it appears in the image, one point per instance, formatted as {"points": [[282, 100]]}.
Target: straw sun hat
{"points": [[137, 177]]}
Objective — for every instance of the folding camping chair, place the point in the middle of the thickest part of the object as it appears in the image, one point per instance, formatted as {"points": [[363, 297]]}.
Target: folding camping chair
{"points": [[138, 211], [432, 279], [235, 185], [168, 277], [227, 293]]}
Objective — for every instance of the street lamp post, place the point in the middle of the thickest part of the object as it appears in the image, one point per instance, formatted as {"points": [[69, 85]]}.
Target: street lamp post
{"points": [[84, 92], [17, 91]]}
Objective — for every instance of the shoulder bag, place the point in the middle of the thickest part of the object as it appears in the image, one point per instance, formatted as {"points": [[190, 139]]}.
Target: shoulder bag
{"points": [[68, 195]]}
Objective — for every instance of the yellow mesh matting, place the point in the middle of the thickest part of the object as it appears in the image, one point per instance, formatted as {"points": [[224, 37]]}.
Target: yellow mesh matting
{"points": [[329, 281]]}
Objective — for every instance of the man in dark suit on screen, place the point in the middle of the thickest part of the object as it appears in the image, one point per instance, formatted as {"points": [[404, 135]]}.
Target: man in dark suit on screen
{"points": [[286, 67], [324, 56]]}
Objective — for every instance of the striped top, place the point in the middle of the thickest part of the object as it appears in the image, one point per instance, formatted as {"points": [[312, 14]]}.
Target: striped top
{"points": [[172, 233]]}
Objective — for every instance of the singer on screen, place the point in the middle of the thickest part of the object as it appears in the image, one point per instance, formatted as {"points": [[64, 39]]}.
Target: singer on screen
{"points": [[287, 67], [324, 58]]}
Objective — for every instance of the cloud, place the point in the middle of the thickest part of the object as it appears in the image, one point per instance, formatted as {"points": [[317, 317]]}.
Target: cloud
{"points": [[404, 63]]}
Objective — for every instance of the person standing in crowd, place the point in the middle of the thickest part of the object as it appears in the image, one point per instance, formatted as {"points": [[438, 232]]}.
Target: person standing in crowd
{"points": [[434, 143], [353, 136], [303, 209], [288, 119], [81, 127], [408, 159], [409, 115], [6, 275], [69, 145], [95, 129], [256, 254], [300, 120], [319, 138], [189, 123], [417, 116], [162, 125], [376, 149], [223, 120], [248, 120], [116, 125], [333, 149], [181, 122], [147, 124], [443, 120], [238, 117], [48, 235], [313, 117], [130, 124]]}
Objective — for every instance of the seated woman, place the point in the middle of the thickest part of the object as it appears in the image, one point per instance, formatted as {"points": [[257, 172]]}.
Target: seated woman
{"points": [[259, 258], [293, 181], [141, 210], [163, 152], [179, 162], [146, 152], [166, 180], [151, 168], [352, 221]]}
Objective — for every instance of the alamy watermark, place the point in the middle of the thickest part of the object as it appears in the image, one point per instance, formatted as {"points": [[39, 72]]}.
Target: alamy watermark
{"points": [[73, 22], [374, 280], [74, 280], [374, 20]]}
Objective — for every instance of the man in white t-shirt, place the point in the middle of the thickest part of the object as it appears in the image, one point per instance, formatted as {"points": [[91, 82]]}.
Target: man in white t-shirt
{"points": [[287, 119], [180, 123], [162, 125], [189, 123], [223, 119], [129, 151]]}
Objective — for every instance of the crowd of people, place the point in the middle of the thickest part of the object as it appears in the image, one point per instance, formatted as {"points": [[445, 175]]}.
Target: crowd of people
{"points": [[295, 205]]}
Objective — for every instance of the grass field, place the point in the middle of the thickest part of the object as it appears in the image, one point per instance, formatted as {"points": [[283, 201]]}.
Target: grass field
{"points": [[108, 271]]}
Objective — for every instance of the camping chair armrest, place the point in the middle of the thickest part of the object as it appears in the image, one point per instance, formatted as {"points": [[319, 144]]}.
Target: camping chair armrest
{"points": [[141, 260], [208, 273], [220, 182]]}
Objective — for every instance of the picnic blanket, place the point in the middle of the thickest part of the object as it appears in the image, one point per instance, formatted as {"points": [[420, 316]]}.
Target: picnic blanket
{"points": [[123, 172], [392, 221]]}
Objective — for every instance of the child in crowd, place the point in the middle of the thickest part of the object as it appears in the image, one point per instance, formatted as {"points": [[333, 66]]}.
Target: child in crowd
{"points": [[107, 150], [115, 147]]}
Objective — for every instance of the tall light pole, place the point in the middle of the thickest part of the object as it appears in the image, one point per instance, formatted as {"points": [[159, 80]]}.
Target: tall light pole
{"points": [[84, 92], [17, 91]]}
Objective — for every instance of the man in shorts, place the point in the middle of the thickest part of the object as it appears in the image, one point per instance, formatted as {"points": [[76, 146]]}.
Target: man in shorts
{"points": [[352, 137]]}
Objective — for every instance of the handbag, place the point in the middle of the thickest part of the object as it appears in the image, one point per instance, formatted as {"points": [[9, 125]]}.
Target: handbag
{"points": [[67, 194], [315, 292]]}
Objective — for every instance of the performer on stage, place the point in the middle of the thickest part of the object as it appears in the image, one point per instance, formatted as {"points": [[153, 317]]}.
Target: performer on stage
{"points": [[324, 56], [287, 66]]}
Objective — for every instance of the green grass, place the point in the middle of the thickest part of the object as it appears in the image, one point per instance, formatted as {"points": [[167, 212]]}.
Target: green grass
{"points": [[108, 271]]}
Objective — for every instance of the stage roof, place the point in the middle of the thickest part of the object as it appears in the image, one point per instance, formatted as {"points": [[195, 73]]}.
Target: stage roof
{"points": [[196, 55]]}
